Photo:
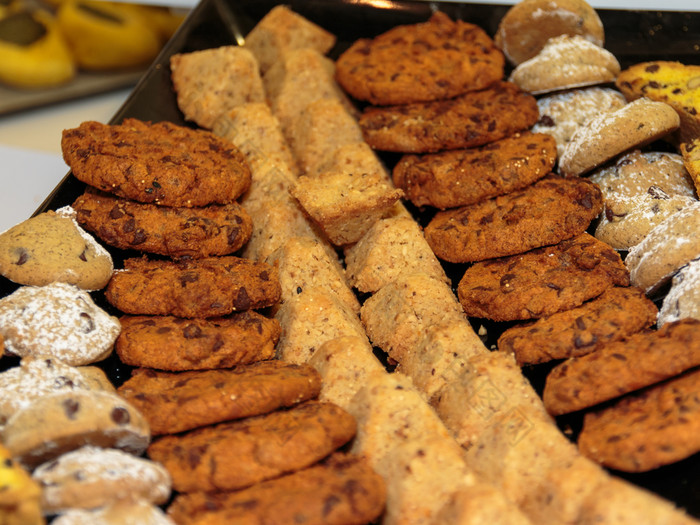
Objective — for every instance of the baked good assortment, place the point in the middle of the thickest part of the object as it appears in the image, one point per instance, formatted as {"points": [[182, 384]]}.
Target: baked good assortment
{"points": [[302, 309]]}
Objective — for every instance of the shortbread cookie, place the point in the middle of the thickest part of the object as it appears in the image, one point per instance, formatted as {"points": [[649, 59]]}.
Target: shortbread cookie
{"points": [[175, 232], [562, 113], [666, 248], [639, 360], [542, 281], [282, 30], [38, 377], [645, 430], [342, 490], [211, 82], [526, 27], [460, 177], [626, 222], [433, 60], [550, 210], [671, 82], [118, 513], [175, 402], [465, 121], [691, 159], [159, 163], [92, 477], [207, 287], [175, 344], [51, 247], [20, 499], [605, 136], [566, 62], [61, 422], [615, 314], [637, 172], [236, 455], [57, 320], [683, 298]]}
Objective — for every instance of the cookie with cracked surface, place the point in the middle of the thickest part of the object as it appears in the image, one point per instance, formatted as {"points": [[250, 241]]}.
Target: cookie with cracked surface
{"points": [[159, 163], [341, 490], [640, 360], [460, 177], [174, 232], [464, 121], [542, 281], [175, 402], [207, 287], [235, 455], [432, 60], [613, 315], [550, 210], [177, 344]]}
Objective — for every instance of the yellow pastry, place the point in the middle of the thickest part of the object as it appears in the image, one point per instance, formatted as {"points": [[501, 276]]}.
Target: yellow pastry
{"points": [[19, 494]]}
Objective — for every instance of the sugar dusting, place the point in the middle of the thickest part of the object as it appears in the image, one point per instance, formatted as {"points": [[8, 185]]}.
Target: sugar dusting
{"points": [[683, 298]]}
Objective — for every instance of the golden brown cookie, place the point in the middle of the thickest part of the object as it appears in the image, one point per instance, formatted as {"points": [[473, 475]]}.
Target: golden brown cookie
{"points": [[461, 122], [175, 232], [20, 496], [158, 163], [550, 210], [238, 454], [637, 361], [542, 281], [175, 402], [342, 490], [208, 287], [433, 60], [613, 315], [460, 177], [176, 344], [690, 151]]}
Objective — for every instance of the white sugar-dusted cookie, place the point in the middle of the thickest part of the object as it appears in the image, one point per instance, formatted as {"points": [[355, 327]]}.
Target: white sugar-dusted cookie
{"points": [[92, 477], [667, 248], [120, 513], [562, 113], [566, 62], [683, 298], [603, 137], [37, 377], [52, 247], [57, 320]]}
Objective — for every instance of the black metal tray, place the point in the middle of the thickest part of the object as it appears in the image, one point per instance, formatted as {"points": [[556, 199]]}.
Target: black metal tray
{"points": [[632, 36]]}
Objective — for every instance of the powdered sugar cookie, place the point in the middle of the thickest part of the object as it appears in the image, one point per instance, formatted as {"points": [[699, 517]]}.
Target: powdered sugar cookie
{"points": [[605, 136], [120, 513], [57, 320], [566, 62], [683, 298]]}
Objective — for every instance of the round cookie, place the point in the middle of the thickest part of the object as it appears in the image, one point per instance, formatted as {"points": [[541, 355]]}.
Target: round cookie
{"points": [[51, 247], [668, 247], [562, 113], [605, 136], [58, 423], [19, 494], [526, 27], [683, 298], [37, 377], [119, 513], [92, 477], [566, 62], [437, 59], [57, 320], [636, 172]]}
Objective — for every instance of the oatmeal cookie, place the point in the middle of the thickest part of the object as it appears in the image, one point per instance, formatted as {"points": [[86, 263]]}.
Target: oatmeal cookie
{"points": [[613, 315], [640, 360], [176, 344], [433, 60], [238, 454], [460, 177], [158, 163], [551, 210], [542, 281], [175, 402], [175, 232], [208, 287], [461, 122]]}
